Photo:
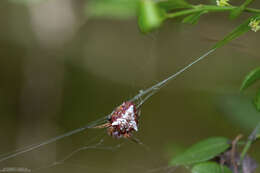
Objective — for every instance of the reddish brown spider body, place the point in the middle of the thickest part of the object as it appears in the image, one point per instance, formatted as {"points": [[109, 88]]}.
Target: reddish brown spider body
{"points": [[123, 121]]}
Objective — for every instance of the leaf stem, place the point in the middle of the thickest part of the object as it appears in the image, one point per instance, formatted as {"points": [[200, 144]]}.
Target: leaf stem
{"points": [[252, 10], [182, 13], [209, 8], [250, 140]]}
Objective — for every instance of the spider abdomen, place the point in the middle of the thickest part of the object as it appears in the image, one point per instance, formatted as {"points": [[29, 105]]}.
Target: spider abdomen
{"points": [[124, 120]]}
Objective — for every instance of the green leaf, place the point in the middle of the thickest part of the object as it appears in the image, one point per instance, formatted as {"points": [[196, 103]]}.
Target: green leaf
{"points": [[237, 11], [202, 151], [257, 135], [241, 29], [193, 18], [257, 101], [174, 4], [210, 167], [251, 78], [150, 15], [116, 9]]}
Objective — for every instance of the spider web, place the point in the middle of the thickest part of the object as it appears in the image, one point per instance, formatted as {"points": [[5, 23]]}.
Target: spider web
{"points": [[95, 143], [98, 143], [139, 99]]}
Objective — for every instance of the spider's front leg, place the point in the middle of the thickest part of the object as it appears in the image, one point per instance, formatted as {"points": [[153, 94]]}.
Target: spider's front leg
{"points": [[106, 125]]}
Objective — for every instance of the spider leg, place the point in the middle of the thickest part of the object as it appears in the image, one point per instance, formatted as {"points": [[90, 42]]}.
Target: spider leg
{"points": [[106, 125], [137, 141]]}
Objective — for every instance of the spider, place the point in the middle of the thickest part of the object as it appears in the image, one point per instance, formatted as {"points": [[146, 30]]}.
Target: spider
{"points": [[123, 121]]}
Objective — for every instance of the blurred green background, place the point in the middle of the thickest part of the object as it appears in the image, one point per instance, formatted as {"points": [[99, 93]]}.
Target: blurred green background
{"points": [[61, 69]]}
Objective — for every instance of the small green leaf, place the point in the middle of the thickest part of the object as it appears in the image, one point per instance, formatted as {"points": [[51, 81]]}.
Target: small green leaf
{"points": [[150, 15], [116, 9], [257, 136], [210, 167], [241, 29], [202, 151], [251, 78], [257, 101], [193, 18], [174, 4], [237, 11]]}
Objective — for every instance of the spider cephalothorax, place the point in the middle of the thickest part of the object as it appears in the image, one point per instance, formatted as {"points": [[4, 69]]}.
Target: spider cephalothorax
{"points": [[123, 120]]}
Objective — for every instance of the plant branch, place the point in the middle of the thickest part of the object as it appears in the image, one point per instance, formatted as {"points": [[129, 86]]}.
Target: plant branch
{"points": [[252, 137], [209, 8]]}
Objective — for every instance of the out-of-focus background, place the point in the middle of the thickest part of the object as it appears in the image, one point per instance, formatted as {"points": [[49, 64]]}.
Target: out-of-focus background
{"points": [[61, 69]]}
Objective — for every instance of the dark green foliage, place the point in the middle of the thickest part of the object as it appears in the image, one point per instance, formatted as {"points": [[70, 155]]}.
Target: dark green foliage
{"points": [[202, 151], [251, 78], [210, 167], [257, 100]]}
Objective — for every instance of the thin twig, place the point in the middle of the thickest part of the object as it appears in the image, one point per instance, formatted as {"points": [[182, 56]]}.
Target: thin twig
{"points": [[251, 139], [233, 153]]}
